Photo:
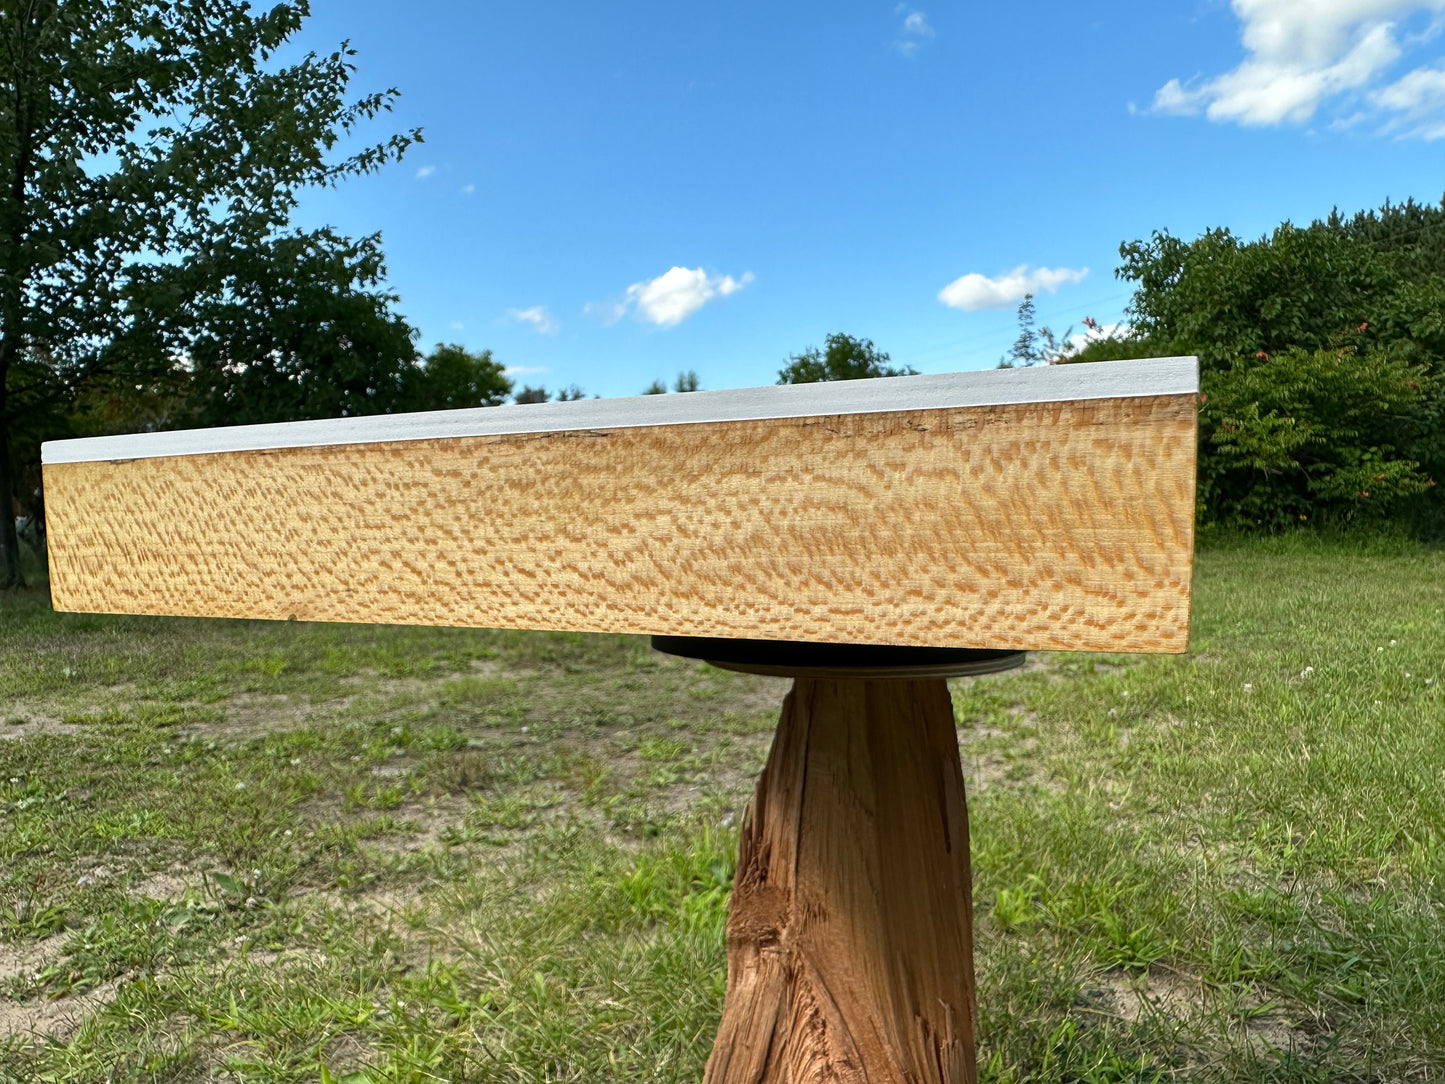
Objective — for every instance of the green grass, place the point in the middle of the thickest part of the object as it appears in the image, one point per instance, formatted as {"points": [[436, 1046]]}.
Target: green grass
{"points": [[289, 852]]}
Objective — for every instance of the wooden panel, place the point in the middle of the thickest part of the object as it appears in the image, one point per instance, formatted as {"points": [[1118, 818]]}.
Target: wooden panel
{"points": [[1063, 525]]}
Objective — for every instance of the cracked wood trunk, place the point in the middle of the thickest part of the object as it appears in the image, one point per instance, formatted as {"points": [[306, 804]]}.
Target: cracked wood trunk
{"points": [[850, 938]]}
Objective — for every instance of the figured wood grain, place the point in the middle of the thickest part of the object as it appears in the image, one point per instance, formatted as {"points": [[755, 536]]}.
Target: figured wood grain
{"points": [[850, 929], [1057, 525]]}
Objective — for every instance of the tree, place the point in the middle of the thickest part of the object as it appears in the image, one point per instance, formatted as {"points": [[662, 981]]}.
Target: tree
{"points": [[1024, 350], [540, 394], [1322, 358], [686, 381], [1307, 433], [452, 377], [135, 134], [281, 329], [1035, 346], [843, 358]]}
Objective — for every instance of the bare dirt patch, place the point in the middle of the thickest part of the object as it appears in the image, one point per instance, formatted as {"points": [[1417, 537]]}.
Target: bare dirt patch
{"points": [[44, 1018], [429, 823], [387, 904], [760, 693], [52, 1019], [170, 886], [31, 724], [254, 714], [1177, 999], [27, 957], [987, 767], [348, 1054], [1160, 993]]}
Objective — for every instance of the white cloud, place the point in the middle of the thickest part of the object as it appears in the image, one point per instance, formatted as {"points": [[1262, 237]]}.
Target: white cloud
{"points": [[674, 295], [914, 31], [457, 325], [1300, 54], [425, 172], [538, 316], [973, 291], [609, 311], [468, 189], [1417, 101], [525, 370], [1420, 88]]}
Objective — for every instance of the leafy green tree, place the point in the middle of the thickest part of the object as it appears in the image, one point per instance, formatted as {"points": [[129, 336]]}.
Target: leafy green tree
{"points": [[134, 133], [1229, 299], [1307, 432], [842, 358], [1321, 350], [452, 377], [280, 329], [657, 387]]}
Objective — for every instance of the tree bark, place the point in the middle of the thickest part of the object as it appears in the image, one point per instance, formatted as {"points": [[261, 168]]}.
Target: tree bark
{"points": [[850, 937]]}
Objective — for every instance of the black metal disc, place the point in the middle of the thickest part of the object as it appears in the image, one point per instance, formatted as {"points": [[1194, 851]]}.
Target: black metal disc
{"points": [[796, 659]]}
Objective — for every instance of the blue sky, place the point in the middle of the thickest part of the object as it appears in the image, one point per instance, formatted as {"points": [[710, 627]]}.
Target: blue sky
{"points": [[611, 193]]}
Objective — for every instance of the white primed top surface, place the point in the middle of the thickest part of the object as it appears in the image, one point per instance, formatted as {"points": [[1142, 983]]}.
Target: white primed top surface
{"points": [[990, 387]]}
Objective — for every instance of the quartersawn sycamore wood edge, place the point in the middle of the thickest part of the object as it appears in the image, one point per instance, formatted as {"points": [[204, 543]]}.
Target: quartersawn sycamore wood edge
{"points": [[1062, 525]]}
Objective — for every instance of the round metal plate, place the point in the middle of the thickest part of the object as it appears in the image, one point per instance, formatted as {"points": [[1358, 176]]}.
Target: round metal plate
{"points": [[871, 662]]}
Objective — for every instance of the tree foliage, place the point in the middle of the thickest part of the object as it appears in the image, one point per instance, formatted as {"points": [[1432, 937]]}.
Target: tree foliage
{"points": [[280, 329], [842, 358], [686, 381], [452, 377], [144, 143], [540, 394], [1322, 353], [1037, 345]]}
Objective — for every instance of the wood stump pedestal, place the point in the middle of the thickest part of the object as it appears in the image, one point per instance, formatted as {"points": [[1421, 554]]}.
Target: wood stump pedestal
{"points": [[850, 933]]}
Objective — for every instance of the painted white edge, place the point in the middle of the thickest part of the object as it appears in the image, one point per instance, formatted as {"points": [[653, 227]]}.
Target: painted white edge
{"points": [[991, 387]]}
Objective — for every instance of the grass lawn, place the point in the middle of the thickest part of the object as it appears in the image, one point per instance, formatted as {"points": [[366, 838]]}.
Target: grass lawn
{"points": [[295, 852]]}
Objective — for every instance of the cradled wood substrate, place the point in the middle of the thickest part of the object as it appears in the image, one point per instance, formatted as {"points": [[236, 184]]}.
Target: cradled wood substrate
{"points": [[1038, 526]]}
